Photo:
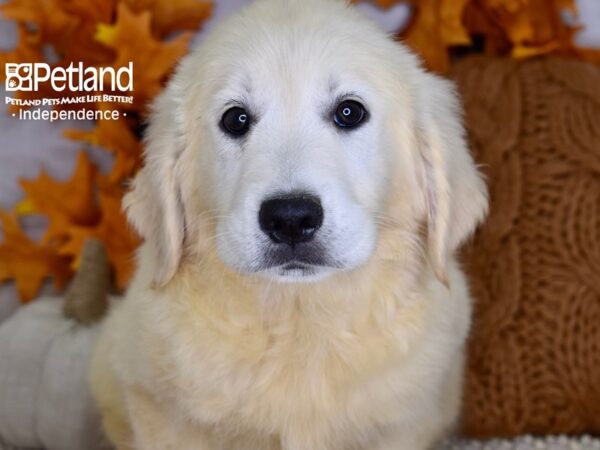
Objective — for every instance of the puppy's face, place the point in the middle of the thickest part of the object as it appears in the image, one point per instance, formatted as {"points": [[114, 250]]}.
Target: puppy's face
{"points": [[299, 168], [295, 130]]}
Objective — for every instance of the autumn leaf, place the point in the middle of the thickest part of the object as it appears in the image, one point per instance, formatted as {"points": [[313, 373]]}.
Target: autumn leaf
{"points": [[523, 29], [119, 237], [50, 19], [153, 60], [67, 203], [116, 234], [116, 137], [65, 25], [29, 50], [92, 11], [452, 29], [98, 33], [115, 32], [58, 21], [436, 26], [27, 262], [173, 15], [519, 28], [56, 24]]}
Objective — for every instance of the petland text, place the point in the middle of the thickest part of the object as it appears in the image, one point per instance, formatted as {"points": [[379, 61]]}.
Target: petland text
{"points": [[77, 78]]}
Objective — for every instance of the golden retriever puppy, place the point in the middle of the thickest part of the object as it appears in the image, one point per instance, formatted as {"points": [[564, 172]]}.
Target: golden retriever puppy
{"points": [[306, 185]]}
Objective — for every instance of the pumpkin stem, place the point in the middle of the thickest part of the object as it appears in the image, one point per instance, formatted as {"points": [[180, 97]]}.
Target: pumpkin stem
{"points": [[86, 301]]}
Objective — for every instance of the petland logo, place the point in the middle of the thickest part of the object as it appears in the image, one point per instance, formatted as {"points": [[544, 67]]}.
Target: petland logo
{"points": [[29, 76], [67, 82]]}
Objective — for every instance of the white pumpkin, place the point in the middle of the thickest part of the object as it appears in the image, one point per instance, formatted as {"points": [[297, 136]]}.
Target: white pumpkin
{"points": [[45, 401], [45, 348]]}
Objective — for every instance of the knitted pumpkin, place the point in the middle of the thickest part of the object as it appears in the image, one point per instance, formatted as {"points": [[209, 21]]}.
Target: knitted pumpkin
{"points": [[534, 267]]}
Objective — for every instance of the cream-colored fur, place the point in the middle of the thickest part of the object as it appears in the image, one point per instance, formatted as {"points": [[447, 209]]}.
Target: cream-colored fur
{"points": [[203, 356]]}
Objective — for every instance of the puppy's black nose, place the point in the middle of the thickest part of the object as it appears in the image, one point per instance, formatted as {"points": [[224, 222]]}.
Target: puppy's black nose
{"points": [[291, 219]]}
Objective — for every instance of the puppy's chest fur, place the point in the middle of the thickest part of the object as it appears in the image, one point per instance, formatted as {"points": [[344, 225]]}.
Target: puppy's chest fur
{"points": [[313, 375]]}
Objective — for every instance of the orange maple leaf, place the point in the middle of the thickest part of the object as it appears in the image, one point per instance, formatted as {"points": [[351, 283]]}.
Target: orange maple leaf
{"points": [[28, 262], [153, 60], [98, 33], [114, 231], [64, 203], [523, 28], [64, 24], [61, 25], [437, 25], [90, 10], [116, 137], [50, 19], [28, 50], [173, 15]]}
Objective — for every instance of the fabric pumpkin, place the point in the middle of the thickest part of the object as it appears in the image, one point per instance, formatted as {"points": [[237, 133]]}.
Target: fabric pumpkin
{"points": [[45, 401], [534, 359]]}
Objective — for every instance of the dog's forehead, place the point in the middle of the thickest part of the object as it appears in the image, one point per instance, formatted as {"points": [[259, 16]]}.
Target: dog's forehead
{"points": [[293, 46], [297, 74]]}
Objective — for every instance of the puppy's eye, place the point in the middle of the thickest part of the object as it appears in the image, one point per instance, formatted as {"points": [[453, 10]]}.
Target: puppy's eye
{"points": [[235, 121], [349, 114]]}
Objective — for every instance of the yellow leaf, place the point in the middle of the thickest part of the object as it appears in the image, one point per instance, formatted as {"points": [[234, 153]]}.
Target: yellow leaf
{"points": [[153, 60], [25, 207], [106, 34]]}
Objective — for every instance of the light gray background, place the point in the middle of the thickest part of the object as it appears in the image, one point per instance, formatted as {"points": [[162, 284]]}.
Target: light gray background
{"points": [[26, 147]]}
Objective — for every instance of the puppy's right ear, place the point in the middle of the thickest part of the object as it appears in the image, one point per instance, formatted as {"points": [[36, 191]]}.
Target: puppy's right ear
{"points": [[154, 205]]}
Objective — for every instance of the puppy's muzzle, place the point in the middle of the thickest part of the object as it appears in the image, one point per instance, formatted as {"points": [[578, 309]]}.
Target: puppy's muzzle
{"points": [[291, 219]]}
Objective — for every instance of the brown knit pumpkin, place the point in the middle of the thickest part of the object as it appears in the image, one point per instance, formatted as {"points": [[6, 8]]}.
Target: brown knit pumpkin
{"points": [[534, 267]]}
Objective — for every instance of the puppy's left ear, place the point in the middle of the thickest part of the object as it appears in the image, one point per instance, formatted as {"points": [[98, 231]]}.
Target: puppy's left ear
{"points": [[455, 194], [153, 205]]}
